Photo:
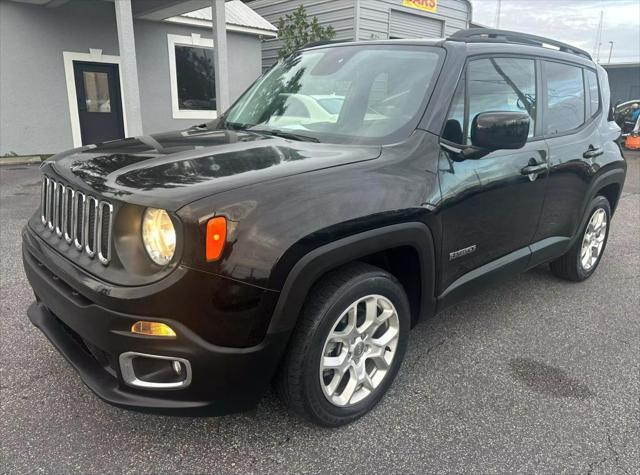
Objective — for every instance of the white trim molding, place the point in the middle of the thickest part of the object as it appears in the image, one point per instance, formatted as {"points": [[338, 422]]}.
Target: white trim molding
{"points": [[94, 56], [194, 40], [249, 30]]}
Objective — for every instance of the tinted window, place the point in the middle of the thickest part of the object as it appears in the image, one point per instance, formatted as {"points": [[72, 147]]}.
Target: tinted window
{"points": [[594, 97], [195, 78], [495, 84], [565, 97]]}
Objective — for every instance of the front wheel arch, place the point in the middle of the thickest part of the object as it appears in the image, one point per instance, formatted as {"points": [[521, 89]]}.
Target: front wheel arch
{"points": [[311, 267]]}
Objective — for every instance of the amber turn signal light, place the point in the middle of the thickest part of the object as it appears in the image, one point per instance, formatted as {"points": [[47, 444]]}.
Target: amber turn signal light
{"points": [[216, 236], [152, 329]]}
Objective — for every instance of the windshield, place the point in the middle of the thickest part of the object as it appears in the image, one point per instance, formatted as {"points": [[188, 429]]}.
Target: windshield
{"points": [[346, 94]]}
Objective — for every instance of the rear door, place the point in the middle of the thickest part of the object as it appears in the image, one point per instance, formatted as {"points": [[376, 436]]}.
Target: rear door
{"points": [[491, 205], [571, 104]]}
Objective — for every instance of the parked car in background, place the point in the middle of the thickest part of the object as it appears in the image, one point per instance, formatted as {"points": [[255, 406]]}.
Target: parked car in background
{"points": [[627, 116], [291, 243]]}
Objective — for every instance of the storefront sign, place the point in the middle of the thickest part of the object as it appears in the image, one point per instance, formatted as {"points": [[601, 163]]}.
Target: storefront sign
{"points": [[424, 5]]}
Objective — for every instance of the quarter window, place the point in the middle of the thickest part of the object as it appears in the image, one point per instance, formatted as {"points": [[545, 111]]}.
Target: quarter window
{"points": [[594, 96], [565, 97], [494, 84]]}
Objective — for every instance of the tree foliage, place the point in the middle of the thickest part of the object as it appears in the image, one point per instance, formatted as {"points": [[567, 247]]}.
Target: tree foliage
{"points": [[295, 31]]}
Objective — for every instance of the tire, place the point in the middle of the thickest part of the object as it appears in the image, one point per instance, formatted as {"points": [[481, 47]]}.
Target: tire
{"points": [[571, 265], [303, 385]]}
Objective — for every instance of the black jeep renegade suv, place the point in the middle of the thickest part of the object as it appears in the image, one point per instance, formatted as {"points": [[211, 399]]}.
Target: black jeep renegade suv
{"points": [[353, 190]]}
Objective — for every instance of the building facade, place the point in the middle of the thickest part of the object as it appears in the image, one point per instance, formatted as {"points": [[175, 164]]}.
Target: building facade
{"points": [[370, 19], [61, 81], [624, 81]]}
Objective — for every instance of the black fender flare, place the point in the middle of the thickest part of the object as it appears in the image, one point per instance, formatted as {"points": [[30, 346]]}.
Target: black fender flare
{"points": [[342, 251], [615, 176]]}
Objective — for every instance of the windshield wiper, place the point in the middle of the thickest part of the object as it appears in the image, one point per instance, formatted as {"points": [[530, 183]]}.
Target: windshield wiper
{"points": [[285, 134]]}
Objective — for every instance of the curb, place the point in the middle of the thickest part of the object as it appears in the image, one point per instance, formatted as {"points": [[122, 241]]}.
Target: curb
{"points": [[24, 160]]}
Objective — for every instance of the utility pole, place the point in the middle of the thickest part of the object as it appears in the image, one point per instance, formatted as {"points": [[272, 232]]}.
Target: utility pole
{"points": [[498, 13], [598, 43], [610, 51]]}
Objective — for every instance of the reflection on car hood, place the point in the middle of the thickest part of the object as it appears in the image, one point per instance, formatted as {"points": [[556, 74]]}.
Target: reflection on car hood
{"points": [[173, 169]]}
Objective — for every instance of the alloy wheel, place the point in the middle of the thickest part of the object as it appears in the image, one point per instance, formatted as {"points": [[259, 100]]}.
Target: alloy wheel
{"points": [[359, 350], [593, 240]]}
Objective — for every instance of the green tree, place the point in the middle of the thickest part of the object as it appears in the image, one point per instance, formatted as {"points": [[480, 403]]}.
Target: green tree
{"points": [[295, 31]]}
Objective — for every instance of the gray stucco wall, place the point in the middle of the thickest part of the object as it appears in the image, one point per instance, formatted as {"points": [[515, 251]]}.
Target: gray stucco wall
{"points": [[34, 110]]}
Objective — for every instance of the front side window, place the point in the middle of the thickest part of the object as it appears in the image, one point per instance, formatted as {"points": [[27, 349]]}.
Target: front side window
{"points": [[347, 94], [494, 85], [565, 103], [192, 77]]}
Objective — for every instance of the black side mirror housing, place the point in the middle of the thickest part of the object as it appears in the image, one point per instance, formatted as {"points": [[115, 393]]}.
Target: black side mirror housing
{"points": [[500, 130]]}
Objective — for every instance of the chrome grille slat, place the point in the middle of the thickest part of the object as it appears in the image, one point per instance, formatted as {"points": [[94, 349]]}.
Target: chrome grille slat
{"points": [[104, 231], [59, 194], [51, 189], [78, 227], [67, 214], [90, 221], [80, 219], [43, 200]]}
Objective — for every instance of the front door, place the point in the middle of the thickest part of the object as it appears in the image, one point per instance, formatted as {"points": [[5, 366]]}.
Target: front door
{"points": [[99, 103], [491, 205]]}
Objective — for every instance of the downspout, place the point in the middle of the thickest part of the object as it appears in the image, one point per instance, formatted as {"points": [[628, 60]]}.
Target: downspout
{"points": [[356, 20]]}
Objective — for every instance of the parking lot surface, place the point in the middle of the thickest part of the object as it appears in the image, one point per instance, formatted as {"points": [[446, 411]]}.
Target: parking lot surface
{"points": [[531, 374]]}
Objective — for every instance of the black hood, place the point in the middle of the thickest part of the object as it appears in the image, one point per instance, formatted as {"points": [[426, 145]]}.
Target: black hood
{"points": [[172, 169]]}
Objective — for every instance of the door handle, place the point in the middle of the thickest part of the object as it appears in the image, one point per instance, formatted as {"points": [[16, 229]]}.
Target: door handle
{"points": [[534, 169], [592, 152]]}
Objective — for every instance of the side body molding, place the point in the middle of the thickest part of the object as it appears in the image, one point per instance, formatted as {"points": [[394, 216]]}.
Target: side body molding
{"points": [[330, 256]]}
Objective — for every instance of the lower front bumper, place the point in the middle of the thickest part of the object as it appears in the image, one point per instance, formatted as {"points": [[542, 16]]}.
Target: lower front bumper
{"points": [[92, 337]]}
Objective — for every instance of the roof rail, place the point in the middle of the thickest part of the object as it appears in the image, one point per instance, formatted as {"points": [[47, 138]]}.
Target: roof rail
{"points": [[491, 35]]}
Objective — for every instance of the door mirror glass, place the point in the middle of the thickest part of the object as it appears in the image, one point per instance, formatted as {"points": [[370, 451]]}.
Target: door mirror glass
{"points": [[500, 130]]}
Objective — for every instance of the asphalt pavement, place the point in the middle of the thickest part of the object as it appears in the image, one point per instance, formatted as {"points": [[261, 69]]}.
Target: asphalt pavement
{"points": [[533, 374]]}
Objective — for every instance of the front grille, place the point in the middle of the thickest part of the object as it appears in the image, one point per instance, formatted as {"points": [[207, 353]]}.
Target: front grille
{"points": [[79, 219]]}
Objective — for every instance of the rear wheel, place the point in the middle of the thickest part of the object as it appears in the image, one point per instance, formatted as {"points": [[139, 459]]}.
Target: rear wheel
{"points": [[584, 256], [347, 347]]}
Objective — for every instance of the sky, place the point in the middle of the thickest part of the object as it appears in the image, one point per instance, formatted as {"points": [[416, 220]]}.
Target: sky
{"points": [[571, 21]]}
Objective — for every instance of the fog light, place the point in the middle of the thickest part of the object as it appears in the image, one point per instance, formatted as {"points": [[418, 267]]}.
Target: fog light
{"points": [[158, 372], [152, 329]]}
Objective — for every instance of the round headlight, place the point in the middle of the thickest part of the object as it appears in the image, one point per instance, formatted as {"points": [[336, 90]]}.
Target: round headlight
{"points": [[158, 235]]}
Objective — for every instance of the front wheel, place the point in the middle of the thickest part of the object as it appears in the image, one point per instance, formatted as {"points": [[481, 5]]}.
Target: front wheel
{"points": [[582, 259], [347, 347]]}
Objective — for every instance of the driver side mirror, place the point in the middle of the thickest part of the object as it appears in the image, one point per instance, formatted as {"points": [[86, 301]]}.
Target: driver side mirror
{"points": [[500, 130]]}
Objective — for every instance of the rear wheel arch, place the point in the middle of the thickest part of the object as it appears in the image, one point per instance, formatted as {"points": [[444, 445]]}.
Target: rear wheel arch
{"points": [[387, 247], [608, 184], [612, 193]]}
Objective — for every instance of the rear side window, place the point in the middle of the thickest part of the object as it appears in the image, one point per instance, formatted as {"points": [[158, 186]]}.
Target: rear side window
{"points": [[591, 81], [494, 84], [565, 103]]}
